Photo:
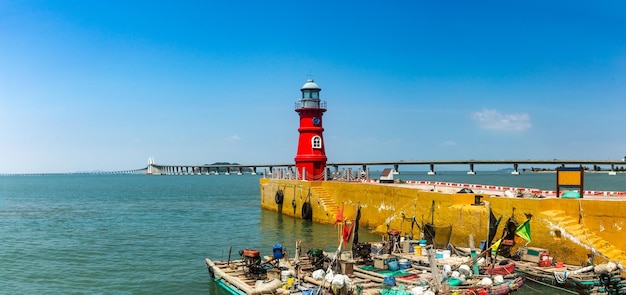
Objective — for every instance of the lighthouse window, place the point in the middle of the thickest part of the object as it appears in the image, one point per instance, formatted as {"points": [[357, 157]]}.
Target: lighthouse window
{"points": [[316, 142], [306, 94], [315, 94]]}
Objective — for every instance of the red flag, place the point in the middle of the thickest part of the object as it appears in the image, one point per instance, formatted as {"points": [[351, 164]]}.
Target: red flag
{"points": [[339, 218], [347, 232]]}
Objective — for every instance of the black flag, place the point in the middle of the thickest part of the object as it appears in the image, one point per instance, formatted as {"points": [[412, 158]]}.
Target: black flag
{"points": [[355, 239]]}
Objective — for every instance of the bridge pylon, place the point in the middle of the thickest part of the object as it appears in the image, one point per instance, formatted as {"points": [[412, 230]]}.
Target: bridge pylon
{"points": [[150, 168]]}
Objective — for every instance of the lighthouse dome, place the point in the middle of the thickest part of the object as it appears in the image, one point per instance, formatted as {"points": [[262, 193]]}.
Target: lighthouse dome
{"points": [[310, 85]]}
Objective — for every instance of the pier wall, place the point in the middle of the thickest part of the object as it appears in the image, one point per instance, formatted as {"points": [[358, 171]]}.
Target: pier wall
{"points": [[570, 228]]}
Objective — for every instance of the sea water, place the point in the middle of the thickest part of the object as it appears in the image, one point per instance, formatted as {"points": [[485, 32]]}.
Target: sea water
{"points": [[140, 234]]}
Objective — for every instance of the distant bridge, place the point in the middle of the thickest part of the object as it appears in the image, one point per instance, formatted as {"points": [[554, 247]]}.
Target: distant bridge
{"points": [[153, 168], [132, 171], [175, 169]]}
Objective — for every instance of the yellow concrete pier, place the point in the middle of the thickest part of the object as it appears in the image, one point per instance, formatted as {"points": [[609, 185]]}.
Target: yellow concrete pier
{"points": [[571, 229]]}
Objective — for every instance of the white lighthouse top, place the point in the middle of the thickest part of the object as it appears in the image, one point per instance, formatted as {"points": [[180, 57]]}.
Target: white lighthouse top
{"points": [[310, 96], [310, 85]]}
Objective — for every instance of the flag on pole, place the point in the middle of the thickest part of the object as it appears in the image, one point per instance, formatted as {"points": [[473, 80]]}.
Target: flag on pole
{"points": [[347, 232], [523, 231], [355, 239], [339, 218], [494, 247]]}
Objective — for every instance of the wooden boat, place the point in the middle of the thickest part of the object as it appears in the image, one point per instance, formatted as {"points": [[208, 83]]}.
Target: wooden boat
{"points": [[504, 267], [452, 274], [537, 265], [278, 274], [599, 279], [231, 277], [250, 275]]}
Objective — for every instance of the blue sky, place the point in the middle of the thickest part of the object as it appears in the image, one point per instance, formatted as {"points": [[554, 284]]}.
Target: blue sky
{"points": [[103, 85]]}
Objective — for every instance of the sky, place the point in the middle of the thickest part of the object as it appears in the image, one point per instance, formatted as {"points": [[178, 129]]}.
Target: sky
{"points": [[104, 85]]}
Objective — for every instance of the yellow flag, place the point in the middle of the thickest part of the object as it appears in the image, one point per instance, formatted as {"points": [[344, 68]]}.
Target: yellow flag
{"points": [[494, 246]]}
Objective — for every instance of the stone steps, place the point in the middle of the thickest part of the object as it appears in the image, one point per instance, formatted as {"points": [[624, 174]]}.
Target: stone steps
{"points": [[326, 200], [577, 231]]}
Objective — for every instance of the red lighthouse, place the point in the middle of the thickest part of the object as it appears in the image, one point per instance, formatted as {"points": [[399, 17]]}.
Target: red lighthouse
{"points": [[311, 157]]}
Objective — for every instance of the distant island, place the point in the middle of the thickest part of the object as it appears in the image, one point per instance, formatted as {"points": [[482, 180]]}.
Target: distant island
{"points": [[595, 168], [225, 169]]}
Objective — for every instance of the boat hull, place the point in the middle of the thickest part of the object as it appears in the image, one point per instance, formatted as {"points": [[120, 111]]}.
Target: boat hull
{"points": [[233, 284]]}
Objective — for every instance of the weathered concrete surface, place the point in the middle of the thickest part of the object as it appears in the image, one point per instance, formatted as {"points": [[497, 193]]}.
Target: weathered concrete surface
{"points": [[570, 228]]}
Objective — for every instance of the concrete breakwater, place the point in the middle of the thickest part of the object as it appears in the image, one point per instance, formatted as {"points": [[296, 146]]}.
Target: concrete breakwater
{"points": [[573, 230]]}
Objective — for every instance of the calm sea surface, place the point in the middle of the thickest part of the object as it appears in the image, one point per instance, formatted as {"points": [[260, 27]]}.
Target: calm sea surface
{"points": [[139, 234]]}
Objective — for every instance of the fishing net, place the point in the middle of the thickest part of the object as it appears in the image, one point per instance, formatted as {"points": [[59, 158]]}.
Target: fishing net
{"points": [[438, 236]]}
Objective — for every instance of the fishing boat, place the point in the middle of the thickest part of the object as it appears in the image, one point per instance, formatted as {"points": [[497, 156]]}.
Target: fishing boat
{"points": [[315, 273], [419, 264], [440, 274], [539, 266], [251, 275], [603, 278]]}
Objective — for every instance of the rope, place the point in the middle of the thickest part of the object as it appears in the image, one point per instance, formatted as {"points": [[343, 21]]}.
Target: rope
{"points": [[330, 265], [560, 277], [581, 220], [581, 270], [548, 285]]}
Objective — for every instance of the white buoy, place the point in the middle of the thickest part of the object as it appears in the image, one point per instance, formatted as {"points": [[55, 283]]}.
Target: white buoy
{"points": [[486, 282]]}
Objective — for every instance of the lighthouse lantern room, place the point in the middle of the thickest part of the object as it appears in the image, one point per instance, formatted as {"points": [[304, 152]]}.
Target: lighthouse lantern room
{"points": [[311, 156]]}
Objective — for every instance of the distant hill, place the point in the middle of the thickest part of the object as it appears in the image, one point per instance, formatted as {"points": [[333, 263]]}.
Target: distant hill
{"points": [[243, 170], [224, 163]]}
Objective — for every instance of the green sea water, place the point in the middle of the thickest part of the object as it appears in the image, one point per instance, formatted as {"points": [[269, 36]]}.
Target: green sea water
{"points": [[138, 234]]}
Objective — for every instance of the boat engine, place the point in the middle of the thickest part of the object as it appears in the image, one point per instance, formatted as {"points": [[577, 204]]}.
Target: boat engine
{"points": [[393, 242], [363, 250], [508, 241], [252, 263], [317, 258]]}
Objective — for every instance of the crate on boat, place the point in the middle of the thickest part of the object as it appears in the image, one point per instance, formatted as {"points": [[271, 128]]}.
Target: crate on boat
{"points": [[408, 246], [532, 254], [442, 254], [347, 266], [380, 261]]}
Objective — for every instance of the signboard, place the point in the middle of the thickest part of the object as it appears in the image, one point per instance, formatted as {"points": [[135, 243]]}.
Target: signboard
{"points": [[570, 178]]}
